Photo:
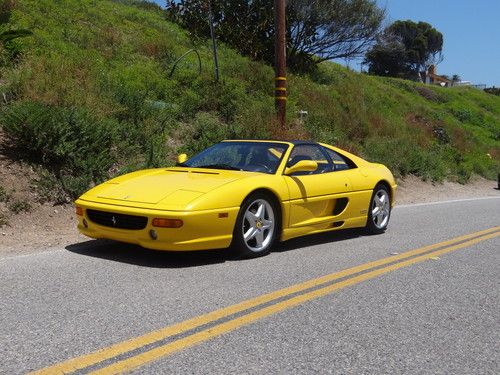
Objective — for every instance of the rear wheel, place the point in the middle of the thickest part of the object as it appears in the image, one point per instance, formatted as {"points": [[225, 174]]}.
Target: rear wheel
{"points": [[379, 211], [256, 226]]}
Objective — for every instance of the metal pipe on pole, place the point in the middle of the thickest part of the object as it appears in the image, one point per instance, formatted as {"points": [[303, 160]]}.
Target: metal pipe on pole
{"points": [[214, 44], [280, 94]]}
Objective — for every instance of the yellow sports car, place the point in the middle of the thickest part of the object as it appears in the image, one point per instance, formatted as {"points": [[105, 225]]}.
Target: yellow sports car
{"points": [[243, 194]]}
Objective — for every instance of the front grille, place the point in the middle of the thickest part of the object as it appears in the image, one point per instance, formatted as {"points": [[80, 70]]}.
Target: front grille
{"points": [[113, 220]]}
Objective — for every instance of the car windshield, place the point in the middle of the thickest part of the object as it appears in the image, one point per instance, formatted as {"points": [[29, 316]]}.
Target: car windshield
{"points": [[262, 157]]}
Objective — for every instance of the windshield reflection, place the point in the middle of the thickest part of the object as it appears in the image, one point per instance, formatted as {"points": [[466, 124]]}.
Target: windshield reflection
{"points": [[263, 157]]}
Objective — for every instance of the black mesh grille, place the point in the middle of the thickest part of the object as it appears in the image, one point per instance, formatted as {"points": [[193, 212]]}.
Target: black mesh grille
{"points": [[110, 219]]}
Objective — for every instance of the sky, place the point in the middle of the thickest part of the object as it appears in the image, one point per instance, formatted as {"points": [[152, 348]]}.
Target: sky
{"points": [[471, 32]]}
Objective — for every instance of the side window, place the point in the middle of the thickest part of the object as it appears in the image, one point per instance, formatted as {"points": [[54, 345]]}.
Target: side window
{"points": [[339, 162], [310, 152]]}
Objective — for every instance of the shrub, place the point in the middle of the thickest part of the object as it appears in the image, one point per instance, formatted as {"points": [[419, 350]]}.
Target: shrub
{"points": [[6, 7], [69, 142], [49, 188], [463, 114], [404, 157], [205, 130], [18, 206], [254, 119], [3, 220], [493, 90], [430, 94], [4, 196], [477, 163]]}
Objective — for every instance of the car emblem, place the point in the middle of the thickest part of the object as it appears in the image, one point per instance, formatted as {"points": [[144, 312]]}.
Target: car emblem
{"points": [[126, 197], [113, 220]]}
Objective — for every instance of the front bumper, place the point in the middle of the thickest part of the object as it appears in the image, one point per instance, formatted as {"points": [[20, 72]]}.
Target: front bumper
{"points": [[201, 230]]}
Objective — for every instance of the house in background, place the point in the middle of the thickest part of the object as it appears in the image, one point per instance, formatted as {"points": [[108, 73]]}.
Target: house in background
{"points": [[430, 77], [463, 83]]}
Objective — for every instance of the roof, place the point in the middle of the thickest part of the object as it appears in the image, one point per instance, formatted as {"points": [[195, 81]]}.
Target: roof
{"points": [[294, 142]]}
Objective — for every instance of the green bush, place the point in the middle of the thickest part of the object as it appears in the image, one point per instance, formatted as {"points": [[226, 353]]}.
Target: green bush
{"points": [[18, 206], [205, 130], [480, 164], [74, 146], [463, 115], [404, 157], [49, 188], [4, 196], [3, 220]]}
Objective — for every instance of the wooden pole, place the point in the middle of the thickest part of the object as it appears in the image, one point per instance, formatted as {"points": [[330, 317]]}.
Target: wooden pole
{"points": [[280, 64]]}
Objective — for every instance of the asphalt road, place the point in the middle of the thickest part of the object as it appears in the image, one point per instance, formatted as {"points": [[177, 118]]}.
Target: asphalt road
{"points": [[435, 315]]}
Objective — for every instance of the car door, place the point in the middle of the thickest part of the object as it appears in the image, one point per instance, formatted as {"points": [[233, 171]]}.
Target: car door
{"points": [[318, 199]]}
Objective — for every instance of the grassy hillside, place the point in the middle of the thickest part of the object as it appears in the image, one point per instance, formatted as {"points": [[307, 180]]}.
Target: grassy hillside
{"points": [[90, 94]]}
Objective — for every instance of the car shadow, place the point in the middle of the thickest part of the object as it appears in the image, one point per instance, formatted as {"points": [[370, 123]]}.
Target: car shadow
{"points": [[139, 256], [319, 239], [136, 255]]}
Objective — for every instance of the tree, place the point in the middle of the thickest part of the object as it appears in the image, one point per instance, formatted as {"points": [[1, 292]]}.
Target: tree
{"points": [[404, 49], [317, 30], [247, 26], [388, 58], [493, 90], [331, 29]]}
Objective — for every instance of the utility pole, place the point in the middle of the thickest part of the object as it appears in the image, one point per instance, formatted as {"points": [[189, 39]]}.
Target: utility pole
{"points": [[214, 44], [280, 56]]}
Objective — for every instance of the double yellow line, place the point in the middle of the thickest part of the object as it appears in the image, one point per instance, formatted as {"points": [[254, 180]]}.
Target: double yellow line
{"points": [[261, 307]]}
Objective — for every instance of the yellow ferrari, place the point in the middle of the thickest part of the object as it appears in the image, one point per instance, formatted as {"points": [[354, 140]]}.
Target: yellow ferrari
{"points": [[242, 194]]}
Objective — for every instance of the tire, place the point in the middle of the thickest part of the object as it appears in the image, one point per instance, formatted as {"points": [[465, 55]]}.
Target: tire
{"points": [[379, 211], [256, 226]]}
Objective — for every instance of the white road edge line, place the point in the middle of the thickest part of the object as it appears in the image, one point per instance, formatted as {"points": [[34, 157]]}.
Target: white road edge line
{"points": [[30, 255], [443, 202]]}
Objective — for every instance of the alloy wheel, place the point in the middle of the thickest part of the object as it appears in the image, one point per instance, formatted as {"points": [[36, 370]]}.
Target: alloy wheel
{"points": [[258, 225], [380, 209]]}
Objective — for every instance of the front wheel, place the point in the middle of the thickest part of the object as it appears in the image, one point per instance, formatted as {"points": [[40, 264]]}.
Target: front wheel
{"points": [[379, 211], [256, 226]]}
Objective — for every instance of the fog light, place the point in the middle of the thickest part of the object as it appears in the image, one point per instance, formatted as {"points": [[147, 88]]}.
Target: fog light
{"points": [[153, 234], [85, 224], [167, 223]]}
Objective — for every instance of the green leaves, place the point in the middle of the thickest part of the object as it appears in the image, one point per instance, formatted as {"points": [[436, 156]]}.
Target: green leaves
{"points": [[69, 142], [10, 35], [318, 31], [404, 49]]}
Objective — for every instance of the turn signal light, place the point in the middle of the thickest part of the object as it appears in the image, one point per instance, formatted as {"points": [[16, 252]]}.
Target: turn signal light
{"points": [[167, 223], [79, 211]]}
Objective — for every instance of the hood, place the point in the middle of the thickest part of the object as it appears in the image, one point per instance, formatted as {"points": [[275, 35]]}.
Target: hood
{"points": [[173, 187]]}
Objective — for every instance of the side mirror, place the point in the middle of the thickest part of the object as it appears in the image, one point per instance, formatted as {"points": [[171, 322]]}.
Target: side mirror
{"points": [[181, 158], [302, 166]]}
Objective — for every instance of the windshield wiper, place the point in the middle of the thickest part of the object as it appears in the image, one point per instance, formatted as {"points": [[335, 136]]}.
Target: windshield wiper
{"points": [[219, 166]]}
